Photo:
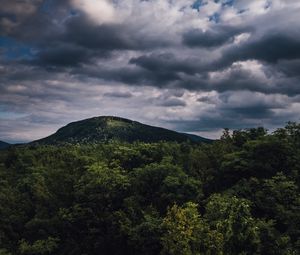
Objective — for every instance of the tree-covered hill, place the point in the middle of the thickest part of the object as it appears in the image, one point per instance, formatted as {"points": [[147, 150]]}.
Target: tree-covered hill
{"points": [[236, 196], [4, 145], [107, 128]]}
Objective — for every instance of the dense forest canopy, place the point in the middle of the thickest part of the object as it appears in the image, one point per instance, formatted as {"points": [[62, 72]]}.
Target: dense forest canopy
{"points": [[237, 195]]}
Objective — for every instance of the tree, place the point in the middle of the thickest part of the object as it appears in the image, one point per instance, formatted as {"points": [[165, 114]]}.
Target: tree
{"points": [[40, 247], [163, 183], [187, 233], [231, 217], [181, 226]]}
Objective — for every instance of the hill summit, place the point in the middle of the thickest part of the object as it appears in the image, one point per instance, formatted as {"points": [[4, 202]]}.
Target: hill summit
{"points": [[108, 128]]}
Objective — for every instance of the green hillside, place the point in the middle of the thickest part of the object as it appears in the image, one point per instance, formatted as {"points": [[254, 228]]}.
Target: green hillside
{"points": [[107, 128], [4, 145]]}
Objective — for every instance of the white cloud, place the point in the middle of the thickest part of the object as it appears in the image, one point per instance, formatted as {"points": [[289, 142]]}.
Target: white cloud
{"points": [[98, 11], [238, 39]]}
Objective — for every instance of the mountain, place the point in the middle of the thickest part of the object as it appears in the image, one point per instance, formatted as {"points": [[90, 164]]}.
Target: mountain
{"points": [[198, 139], [106, 128], [4, 145]]}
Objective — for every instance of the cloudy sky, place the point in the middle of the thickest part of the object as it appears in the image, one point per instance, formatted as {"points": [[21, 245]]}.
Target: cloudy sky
{"points": [[192, 66]]}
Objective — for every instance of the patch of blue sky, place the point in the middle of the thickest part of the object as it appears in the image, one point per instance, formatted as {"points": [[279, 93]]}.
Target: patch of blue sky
{"points": [[13, 50], [225, 2], [215, 17], [198, 3]]}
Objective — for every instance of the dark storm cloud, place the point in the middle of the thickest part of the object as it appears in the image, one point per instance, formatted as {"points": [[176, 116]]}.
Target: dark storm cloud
{"points": [[118, 94], [270, 48], [245, 107], [130, 76], [290, 68], [62, 55], [62, 36], [243, 113], [193, 74], [212, 123], [14, 12], [165, 62], [172, 102], [254, 112], [77, 41], [55, 54], [209, 123], [105, 37], [205, 99], [35, 21], [215, 36], [174, 73]]}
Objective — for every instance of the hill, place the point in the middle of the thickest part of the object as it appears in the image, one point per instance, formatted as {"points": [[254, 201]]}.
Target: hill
{"points": [[4, 145], [107, 128]]}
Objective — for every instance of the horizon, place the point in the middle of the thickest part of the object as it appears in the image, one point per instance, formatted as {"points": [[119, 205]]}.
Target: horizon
{"points": [[190, 66], [104, 116], [147, 124]]}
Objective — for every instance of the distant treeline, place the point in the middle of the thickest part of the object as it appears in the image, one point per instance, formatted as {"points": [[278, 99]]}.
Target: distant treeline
{"points": [[237, 195]]}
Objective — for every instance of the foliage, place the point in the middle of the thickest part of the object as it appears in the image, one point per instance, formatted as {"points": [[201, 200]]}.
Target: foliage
{"points": [[237, 195], [231, 217], [39, 247], [181, 226], [109, 128]]}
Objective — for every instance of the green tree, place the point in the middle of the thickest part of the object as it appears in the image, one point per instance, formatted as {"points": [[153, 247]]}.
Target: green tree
{"points": [[181, 227], [161, 184], [231, 217], [41, 247], [187, 233]]}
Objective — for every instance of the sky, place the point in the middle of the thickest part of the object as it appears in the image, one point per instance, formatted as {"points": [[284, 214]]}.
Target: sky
{"points": [[191, 66]]}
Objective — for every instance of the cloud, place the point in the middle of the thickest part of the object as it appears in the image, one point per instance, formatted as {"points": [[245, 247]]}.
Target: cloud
{"points": [[186, 66], [14, 12], [205, 99], [98, 11], [104, 37], [270, 48], [118, 94], [172, 102], [165, 62], [62, 55], [215, 36]]}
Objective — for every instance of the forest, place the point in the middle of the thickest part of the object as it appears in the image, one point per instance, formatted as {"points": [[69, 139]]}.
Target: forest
{"points": [[236, 195]]}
